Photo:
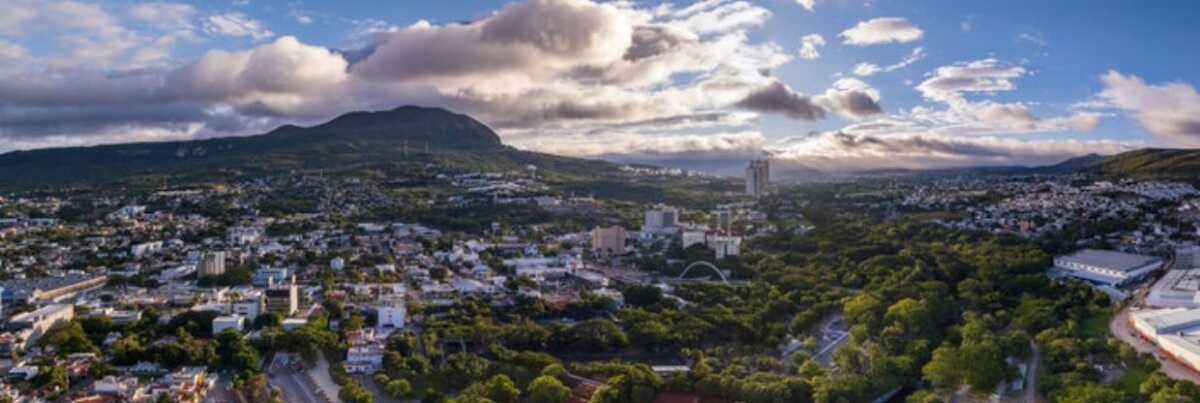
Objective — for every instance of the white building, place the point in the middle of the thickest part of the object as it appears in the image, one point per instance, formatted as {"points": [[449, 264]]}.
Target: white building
{"points": [[364, 359], [690, 238], [32, 325], [146, 248], [661, 218], [1187, 257], [725, 245], [1106, 267], [1175, 331], [392, 314], [235, 322]]}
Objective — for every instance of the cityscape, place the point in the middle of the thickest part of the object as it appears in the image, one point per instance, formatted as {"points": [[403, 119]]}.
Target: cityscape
{"points": [[590, 201]]}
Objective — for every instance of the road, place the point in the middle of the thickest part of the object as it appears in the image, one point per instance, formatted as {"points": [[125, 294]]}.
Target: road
{"points": [[294, 384], [1030, 394]]}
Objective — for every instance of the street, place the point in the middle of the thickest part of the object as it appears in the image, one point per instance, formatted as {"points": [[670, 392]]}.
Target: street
{"points": [[294, 384]]}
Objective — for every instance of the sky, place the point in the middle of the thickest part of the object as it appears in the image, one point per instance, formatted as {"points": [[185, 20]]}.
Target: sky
{"points": [[835, 85]]}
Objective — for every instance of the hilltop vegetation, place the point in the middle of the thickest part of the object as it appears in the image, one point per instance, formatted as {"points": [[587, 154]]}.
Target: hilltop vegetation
{"points": [[1151, 163]]}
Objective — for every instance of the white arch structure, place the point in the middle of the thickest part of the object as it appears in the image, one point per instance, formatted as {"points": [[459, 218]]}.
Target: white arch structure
{"points": [[702, 263]]}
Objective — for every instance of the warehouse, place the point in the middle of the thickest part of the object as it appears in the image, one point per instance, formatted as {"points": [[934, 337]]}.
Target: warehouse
{"points": [[1105, 267]]}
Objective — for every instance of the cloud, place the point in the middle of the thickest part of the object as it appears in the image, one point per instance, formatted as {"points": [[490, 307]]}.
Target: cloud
{"points": [[810, 45], [843, 152], [866, 69], [777, 97], [164, 15], [283, 78], [880, 31], [1170, 112], [533, 68], [850, 98], [236, 25], [807, 4], [1033, 39], [948, 83]]}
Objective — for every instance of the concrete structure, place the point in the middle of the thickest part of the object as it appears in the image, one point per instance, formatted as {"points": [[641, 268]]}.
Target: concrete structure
{"points": [[235, 322], [690, 238], [146, 248], [722, 219], [250, 307], [608, 240], [284, 299], [758, 177], [30, 326], [1187, 257], [1176, 289], [661, 218], [293, 323], [364, 359], [267, 276], [212, 264], [43, 289], [1105, 267], [392, 314], [1175, 331], [725, 245]]}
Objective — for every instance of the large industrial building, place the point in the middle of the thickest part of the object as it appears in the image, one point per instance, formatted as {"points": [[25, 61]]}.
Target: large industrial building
{"points": [[1175, 331], [1105, 267], [47, 289]]}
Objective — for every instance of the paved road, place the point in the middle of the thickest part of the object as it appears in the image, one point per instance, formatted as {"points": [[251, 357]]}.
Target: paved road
{"points": [[294, 384], [1030, 395]]}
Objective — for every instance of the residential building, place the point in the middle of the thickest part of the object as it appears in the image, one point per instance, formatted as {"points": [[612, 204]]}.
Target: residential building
{"points": [[284, 299], [392, 314], [661, 218], [267, 276], [235, 322], [212, 264], [608, 240], [758, 177]]}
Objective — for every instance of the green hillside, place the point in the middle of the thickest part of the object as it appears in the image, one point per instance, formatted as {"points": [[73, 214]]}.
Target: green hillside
{"points": [[391, 142], [1151, 163], [385, 145]]}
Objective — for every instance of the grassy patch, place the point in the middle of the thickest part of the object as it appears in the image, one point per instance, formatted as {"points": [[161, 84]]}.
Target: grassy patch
{"points": [[1096, 325], [1132, 379]]}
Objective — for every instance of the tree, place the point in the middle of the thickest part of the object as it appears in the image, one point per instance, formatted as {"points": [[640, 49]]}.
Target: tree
{"points": [[548, 389], [498, 389], [398, 388], [642, 296]]}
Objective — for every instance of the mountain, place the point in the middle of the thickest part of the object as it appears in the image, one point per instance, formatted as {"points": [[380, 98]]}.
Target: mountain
{"points": [[1151, 163], [388, 142]]}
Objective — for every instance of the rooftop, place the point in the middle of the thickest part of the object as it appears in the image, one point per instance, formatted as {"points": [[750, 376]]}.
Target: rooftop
{"points": [[1111, 259]]}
